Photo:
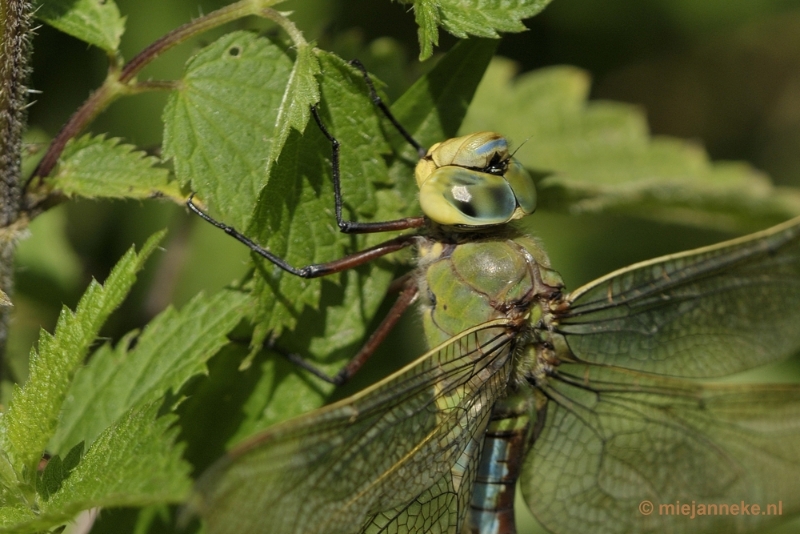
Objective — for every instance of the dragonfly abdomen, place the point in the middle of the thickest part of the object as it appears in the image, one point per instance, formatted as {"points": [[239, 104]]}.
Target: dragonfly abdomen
{"points": [[504, 446]]}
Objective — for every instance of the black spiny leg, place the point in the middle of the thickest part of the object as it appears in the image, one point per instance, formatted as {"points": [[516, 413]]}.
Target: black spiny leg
{"points": [[354, 227], [314, 270], [373, 94]]}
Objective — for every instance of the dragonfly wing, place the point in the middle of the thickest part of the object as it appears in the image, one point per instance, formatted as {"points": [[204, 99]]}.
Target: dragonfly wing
{"points": [[392, 447], [707, 312], [441, 508], [616, 440]]}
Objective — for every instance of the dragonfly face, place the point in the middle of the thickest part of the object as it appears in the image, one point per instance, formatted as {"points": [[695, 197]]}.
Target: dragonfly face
{"points": [[573, 393]]}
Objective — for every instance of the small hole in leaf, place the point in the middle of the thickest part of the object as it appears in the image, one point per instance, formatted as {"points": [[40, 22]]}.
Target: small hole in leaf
{"points": [[234, 51]]}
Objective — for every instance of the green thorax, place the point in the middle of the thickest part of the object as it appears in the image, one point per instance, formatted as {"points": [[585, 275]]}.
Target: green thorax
{"points": [[474, 278]]}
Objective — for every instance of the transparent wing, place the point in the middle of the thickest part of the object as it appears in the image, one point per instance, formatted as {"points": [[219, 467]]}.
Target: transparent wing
{"points": [[397, 457], [615, 439], [703, 313]]}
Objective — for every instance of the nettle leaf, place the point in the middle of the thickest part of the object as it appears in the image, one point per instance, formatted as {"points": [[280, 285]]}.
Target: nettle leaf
{"points": [[96, 167], [97, 22], [132, 463], [295, 215], [33, 412], [135, 462], [598, 157], [301, 93], [57, 470], [172, 348], [239, 99], [462, 18], [326, 320], [426, 17]]}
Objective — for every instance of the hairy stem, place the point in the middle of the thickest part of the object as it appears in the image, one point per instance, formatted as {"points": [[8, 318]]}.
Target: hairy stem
{"points": [[15, 31]]}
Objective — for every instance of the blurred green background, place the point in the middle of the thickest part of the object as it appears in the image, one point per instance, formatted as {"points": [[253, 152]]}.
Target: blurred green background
{"points": [[725, 73]]}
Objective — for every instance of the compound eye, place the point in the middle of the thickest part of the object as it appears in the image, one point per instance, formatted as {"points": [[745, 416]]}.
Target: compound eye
{"points": [[522, 185], [458, 196], [473, 181]]}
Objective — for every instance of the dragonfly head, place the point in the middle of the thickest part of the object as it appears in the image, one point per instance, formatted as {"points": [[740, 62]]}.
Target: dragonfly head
{"points": [[473, 181]]}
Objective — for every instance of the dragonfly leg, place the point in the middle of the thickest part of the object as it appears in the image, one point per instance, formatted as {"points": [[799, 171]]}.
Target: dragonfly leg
{"points": [[378, 101], [404, 300], [354, 227], [317, 269], [348, 227]]}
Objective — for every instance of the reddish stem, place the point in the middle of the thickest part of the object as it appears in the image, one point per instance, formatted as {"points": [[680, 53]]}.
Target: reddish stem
{"points": [[77, 122], [115, 86]]}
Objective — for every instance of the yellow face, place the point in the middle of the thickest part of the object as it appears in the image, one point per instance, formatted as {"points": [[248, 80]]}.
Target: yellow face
{"points": [[473, 181]]}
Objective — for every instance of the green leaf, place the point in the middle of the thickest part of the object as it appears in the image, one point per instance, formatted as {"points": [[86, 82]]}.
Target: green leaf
{"points": [[462, 18], [172, 348], [96, 22], [33, 412], [294, 217], [239, 99], [302, 91], [15, 515], [57, 470], [484, 18], [600, 158], [96, 167], [133, 463], [428, 33]]}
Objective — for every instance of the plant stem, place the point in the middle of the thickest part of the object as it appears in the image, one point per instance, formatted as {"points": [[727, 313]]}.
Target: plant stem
{"points": [[15, 33], [179, 35], [288, 26], [121, 82], [14, 70]]}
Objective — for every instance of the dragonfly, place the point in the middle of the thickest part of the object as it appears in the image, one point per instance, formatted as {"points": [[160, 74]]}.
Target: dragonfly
{"points": [[597, 402]]}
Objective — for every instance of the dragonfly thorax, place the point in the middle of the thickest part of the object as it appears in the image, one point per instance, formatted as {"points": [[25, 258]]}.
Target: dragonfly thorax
{"points": [[479, 280], [474, 181]]}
